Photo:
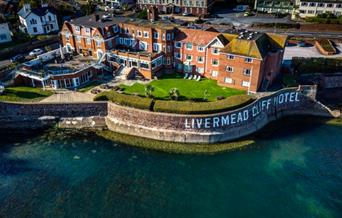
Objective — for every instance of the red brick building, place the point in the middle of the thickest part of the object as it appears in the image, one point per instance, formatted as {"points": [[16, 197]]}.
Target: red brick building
{"points": [[244, 60]]}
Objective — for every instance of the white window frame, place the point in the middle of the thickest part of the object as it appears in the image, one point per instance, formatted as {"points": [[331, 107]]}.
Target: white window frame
{"points": [[200, 48], [202, 61], [245, 70], [215, 49], [188, 55], [186, 46], [146, 34], [212, 60], [245, 83], [228, 80], [178, 45], [229, 69], [155, 35], [248, 60], [214, 73]]}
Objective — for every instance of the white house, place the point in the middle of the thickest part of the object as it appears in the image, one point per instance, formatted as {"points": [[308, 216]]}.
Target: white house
{"points": [[42, 20], [5, 33]]}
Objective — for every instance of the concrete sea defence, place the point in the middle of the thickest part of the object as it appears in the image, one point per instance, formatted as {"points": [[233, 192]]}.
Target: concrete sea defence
{"points": [[209, 128]]}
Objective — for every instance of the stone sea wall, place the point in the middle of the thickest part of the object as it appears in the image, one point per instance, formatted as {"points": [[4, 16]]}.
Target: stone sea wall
{"points": [[215, 127], [209, 128]]}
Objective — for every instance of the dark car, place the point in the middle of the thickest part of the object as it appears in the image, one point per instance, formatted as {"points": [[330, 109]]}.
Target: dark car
{"points": [[18, 58]]}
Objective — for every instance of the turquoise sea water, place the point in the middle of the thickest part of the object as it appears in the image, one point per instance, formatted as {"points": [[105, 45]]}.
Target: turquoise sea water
{"points": [[295, 173]]}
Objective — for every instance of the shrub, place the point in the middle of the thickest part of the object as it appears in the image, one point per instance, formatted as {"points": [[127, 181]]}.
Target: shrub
{"points": [[187, 107], [142, 14], [316, 65], [125, 100]]}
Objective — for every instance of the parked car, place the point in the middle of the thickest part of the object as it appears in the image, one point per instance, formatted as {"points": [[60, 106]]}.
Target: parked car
{"points": [[17, 58], [241, 8], [36, 52], [186, 14]]}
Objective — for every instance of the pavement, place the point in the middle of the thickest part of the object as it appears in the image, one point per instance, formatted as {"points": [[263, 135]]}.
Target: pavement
{"points": [[68, 96]]}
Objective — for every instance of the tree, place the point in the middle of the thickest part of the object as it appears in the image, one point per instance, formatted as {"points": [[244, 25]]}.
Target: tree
{"points": [[149, 91], [174, 94], [142, 14]]}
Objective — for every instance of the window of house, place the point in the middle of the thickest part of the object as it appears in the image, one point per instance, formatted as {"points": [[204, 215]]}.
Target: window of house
{"points": [[214, 73], [168, 61], [214, 62], [200, 70], [139, 33], [178, 44], [228, 80], [177, 55], [156, 47], [247, 72], [188, 46], [168, 37], [78, 39], [231, 57], [311, 11], [88, 41], [146, 34], [77, 28], [312, 4], [116, 29], [304, 4], [67, 36], [98, 43], [339, 6], [214, 50], [189, 57], [200, 48], [229, 69], [200, 59], [329, 5], [156, 35], [245, 83], [321, 5], [248, 60], [126, 31]]}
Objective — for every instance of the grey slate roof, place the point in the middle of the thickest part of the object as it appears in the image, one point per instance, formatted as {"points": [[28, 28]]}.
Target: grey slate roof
{"points": [[38, 11]]}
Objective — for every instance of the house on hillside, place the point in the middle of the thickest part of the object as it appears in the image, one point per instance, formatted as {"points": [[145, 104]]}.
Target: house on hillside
{"points": [[5, 33], [36, 21]]}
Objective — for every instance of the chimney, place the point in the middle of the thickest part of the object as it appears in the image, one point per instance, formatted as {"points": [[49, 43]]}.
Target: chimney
{"points": [[27, 8], [97, 17]]}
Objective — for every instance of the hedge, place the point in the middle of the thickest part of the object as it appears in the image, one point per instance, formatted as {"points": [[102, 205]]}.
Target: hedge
{"points": [[316, 65], [125, 100], [188, 107]]}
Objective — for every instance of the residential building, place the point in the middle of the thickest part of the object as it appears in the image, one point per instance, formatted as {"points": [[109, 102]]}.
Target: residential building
{"points": [[5, 33], [41, 20], [244, 60], [275, 6], [312, 8], [118, 3], [194, 7]]}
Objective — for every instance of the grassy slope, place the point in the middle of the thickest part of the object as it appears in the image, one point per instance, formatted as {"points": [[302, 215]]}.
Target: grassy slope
{"points": [[25, 94], [187, 88]]}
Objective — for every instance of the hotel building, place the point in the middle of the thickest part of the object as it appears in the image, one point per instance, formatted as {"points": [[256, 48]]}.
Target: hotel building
{"points": [[244, 60]]}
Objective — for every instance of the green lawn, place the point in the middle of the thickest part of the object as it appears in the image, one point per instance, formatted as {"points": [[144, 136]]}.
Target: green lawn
{"points": [[188, 89], [24, 94]]}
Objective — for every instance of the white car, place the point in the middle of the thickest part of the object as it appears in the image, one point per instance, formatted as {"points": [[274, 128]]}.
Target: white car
{"points": [[36, 52]]}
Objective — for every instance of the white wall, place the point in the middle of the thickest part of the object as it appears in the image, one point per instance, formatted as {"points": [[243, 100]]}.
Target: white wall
{"points": [[5, 33]]}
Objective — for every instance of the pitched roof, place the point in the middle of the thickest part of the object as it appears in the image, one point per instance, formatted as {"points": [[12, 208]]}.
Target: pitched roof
{"points": [[198, 37], [257, 47], [41, 11]]}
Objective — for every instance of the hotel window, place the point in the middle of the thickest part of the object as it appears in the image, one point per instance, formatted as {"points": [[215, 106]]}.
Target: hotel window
{"points": [[214, 73], [339, 6], [168, 61], [77, 28], [214, 50], [321, 5], [156, 47], [126, 31], [156, 35], [188, 57], [168, 37], [139, 33], [229, 69], [248, 60], [200, 59], [178, 44], [329, 5], [304, 4], [78, 39], [98, 43], [200, 48], [245, 83], [178, 55], [67, 36], [146, 34], [188, 46], [214, 62], [88, 41], [247, 72], [228, 80], [116, 29], [87, 30], [311, 11], [312, 4], [163, 36], [231, 57], [168, 48]]}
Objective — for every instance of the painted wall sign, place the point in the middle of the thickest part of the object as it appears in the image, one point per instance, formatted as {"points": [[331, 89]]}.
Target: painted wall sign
{"points": [[243, 115]]}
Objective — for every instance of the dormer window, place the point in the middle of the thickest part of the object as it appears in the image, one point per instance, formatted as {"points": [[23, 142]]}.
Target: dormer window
{"points": [[248, 60]]}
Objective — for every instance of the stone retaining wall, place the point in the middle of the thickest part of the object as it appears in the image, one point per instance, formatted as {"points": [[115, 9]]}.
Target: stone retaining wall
{"points": [[215, 127]]}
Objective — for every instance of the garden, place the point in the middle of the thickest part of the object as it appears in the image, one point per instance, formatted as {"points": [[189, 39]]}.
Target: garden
{"points": [[24, 94], [173, 94]]}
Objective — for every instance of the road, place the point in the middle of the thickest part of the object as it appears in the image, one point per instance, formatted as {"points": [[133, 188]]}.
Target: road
{"points": [[27, 56]]}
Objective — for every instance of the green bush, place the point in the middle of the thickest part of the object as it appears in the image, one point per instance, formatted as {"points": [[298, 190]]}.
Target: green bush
{"points": [[316, 65], [125, 100], [188, 107], [142, 14]]}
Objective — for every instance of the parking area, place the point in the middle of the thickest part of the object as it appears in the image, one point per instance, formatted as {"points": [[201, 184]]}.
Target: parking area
{"points": [[308, 52]]}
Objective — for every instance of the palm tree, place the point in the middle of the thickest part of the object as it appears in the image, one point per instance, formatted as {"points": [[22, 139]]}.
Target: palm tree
{"points": [[174, 94], [149, 91]]}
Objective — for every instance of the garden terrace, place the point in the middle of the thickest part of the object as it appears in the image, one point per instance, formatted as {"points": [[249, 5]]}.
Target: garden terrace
{"points": [[24, 94]]}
